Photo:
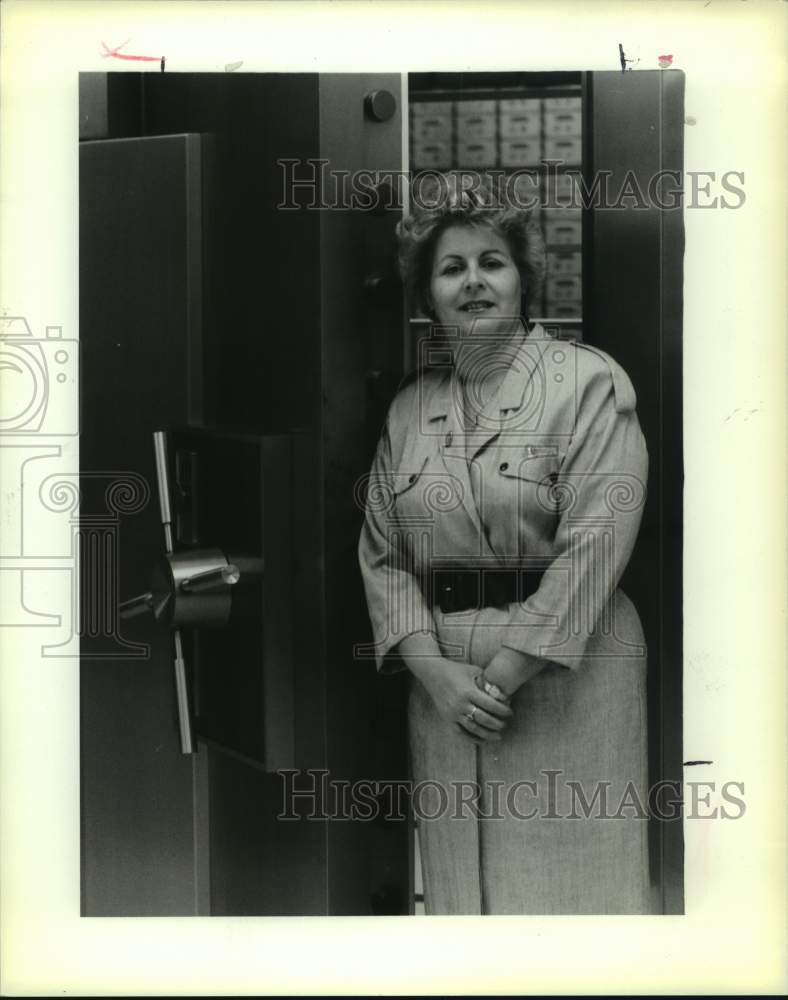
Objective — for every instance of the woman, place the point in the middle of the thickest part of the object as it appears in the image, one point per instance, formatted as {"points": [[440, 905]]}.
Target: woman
{"points": [[502, 507]]}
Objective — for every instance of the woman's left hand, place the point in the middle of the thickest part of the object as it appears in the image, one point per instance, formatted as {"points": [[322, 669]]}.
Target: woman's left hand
{"points": [[483, 683], [509, 669]]}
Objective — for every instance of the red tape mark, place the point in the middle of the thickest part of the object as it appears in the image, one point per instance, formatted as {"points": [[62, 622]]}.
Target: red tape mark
{"points": [[117, 54]]}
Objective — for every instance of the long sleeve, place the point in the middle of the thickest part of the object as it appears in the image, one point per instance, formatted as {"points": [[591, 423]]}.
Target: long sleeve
{"points": [[599, 495], [395, 601]]}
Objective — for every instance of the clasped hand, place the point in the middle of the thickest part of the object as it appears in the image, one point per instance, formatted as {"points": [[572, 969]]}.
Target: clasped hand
{"points": [[460, 699]]}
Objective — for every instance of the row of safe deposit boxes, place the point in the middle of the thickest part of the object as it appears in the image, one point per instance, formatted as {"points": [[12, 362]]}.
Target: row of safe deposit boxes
{"points": [[510, 132]]}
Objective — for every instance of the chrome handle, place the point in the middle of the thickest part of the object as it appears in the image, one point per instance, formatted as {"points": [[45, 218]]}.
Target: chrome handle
{"points": [[182, 697], [163, 480], [136, 606], [214, 579]]}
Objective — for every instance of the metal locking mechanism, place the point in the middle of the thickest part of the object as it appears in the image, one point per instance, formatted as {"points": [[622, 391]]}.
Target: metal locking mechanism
{"points": [[192, 587]]}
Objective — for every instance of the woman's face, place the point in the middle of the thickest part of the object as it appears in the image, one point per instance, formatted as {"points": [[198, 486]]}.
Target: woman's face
{"points": [[474, 281]]}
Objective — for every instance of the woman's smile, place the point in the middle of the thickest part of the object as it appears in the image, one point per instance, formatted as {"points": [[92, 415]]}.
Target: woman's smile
{"points": [[477, 305]]}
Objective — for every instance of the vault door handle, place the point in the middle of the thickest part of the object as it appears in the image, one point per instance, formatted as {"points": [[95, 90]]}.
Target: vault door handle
{"points": [[191, 587], [182, 697], [165, 507], [163, 481], [136, 605]]}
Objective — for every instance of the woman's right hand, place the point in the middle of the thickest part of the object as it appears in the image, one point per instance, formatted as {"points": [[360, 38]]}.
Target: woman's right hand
{"points": [[459, 701]]}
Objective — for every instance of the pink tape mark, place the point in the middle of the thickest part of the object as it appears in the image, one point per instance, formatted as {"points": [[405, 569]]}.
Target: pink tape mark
{"points": [[664, 61], [117, 54]]}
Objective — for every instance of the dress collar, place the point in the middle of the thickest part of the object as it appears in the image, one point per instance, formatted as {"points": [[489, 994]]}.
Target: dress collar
{"points": [[446, 395]]}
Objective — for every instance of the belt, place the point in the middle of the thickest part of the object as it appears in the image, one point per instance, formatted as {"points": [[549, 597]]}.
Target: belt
{"points": [[474, 587]]}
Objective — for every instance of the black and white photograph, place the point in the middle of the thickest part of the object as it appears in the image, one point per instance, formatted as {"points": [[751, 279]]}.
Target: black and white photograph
{"points": [[375, 459], [395, 555], [396, 460]]}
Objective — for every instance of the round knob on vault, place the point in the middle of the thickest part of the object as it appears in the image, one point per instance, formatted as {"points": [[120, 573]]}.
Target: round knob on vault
{"points": [[380, 105]]}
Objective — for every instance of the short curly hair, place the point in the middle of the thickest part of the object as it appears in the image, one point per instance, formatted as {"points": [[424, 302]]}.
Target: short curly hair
{"points": [[465, 198]]}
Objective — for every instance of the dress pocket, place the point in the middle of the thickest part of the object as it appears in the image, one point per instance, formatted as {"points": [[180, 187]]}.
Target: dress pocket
{"points": [[407, 477], [537, 464], [522, 485]]}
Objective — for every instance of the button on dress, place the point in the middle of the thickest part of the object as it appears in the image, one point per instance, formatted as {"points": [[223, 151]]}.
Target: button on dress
{"points": [[550, 475]]}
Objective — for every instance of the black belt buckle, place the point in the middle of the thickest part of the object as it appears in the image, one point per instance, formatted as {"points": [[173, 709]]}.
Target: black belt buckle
{"points": [[457, 590]]}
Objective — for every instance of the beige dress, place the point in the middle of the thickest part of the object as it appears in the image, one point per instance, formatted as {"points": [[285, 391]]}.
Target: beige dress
{"points": [[553, 818]]}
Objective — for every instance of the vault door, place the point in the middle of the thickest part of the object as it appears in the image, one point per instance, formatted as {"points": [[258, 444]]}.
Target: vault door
{"points": [[633, 279], [186, 254], [140, 333]]}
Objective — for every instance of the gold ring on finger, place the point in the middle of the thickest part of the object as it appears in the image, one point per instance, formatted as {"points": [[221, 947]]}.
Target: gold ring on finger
{"points": [[472, 712]]}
